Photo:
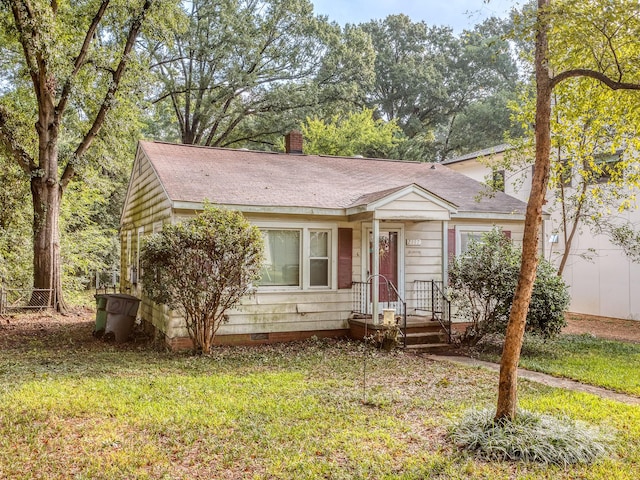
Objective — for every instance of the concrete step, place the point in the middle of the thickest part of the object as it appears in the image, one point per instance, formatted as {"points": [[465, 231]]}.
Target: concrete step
{"points": [[422, 338], [427, 346]]}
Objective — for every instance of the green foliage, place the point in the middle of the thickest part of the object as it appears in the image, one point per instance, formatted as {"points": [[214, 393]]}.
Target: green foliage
{"points": [[483, 281], [349, 135], [530, 437], [595, 130], [65, 67], [244, 71], [15, 228], [90, 230], [202, 267], [451, 90]]}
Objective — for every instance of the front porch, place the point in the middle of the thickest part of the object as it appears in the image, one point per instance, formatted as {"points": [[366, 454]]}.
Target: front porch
{"points": [[424, 320]]}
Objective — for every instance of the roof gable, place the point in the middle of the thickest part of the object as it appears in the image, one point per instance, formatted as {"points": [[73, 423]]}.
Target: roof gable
{"points": [[409, 202], [143, 176]]}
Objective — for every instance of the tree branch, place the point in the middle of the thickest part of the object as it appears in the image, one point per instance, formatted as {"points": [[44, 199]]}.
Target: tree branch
{"points": [[107, 102], [22, 15], [585, 72], [82, 55]]}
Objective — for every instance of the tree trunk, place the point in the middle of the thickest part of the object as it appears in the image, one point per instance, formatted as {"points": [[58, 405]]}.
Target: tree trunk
{"points": [[46, 242], [507, 389], [46, 193]]}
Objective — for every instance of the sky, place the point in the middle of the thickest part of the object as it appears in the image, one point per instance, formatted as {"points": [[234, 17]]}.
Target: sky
{"points": [[458, 14]]}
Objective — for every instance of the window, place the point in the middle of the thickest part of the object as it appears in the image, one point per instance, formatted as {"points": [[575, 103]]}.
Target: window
{"points": [[136, 271], [129, 248], [497, 180], [467, 234], [319, 258], [297, 257], [281, 258], [565, 176], [606, 164], [467, 237]]}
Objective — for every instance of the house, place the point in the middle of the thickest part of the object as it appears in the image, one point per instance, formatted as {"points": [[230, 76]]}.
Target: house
{"points": [[331, 225], [602, 280]]}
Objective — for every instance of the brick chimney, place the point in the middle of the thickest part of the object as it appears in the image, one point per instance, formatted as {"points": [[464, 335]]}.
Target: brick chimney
{"points": [[293, 142]]}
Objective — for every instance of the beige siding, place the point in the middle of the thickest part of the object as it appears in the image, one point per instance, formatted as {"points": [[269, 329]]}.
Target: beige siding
{"points": [[411, 206], [423, 256], [290, 311], [146, 204], [300, 310], [357, 253]]}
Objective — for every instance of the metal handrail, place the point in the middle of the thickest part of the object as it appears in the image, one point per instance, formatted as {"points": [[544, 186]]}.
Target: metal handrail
{"points": [[404, 310], [361, 295], [431, 297], [445, 318]]}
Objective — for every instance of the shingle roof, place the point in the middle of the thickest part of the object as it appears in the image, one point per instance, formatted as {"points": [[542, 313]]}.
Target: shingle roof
{"points": [[479, 153], [242, 177]]}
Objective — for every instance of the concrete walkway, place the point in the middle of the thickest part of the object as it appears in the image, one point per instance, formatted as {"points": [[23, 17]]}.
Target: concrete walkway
{"points": [[541, 378]]}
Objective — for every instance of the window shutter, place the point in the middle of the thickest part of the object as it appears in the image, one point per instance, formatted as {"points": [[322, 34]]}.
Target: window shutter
{"points": [[345, 252], [507, 233], [451, 251]]}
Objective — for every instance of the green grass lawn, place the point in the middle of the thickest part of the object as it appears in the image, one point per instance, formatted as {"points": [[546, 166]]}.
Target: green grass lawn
{"points": [[605, 363], [74, 408]]}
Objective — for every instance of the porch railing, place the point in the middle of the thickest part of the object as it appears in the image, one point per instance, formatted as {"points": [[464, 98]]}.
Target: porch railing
{"points": [[361, 295], [431, 297]]}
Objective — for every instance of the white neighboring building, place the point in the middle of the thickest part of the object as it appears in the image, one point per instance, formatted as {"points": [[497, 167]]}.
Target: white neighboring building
{"points": [[608, 284]]}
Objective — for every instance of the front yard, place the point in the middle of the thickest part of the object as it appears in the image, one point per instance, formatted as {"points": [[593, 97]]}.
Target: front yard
{"points": [[73, 407]]}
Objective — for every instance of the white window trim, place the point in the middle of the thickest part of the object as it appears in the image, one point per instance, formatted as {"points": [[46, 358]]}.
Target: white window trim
{"points": [[305, 249], [330, 257], [137, 256], [469, 229], [128, 261]]}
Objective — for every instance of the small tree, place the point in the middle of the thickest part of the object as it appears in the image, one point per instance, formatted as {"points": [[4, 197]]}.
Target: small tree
{"points": [[357, 133], [483, 282], [202, 267]]}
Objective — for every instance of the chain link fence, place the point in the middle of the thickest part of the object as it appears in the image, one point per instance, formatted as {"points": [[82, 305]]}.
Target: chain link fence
{"points": [[24, 299]]}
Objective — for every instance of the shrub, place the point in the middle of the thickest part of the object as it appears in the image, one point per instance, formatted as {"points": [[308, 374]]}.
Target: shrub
{"points": [[483, 281], [530, 437], [202, 267]]}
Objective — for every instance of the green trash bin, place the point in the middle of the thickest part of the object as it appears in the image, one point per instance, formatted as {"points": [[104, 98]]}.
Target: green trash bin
{"points": [[101, 315]]}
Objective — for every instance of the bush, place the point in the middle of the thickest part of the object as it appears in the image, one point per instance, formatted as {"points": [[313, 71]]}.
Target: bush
{"points": [[530, 437], [202, 267], [483, 281]]}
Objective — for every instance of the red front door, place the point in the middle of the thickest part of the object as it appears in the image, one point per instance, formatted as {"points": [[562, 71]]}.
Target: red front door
{"points": [[388, 265]]}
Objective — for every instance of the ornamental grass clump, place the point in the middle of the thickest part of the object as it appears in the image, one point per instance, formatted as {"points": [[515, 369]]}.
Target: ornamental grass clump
{"points": [[530, 437]]}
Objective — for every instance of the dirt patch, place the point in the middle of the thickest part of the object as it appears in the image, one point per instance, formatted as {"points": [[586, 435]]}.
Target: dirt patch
{"points": [[603, 327], [52, 330]]}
